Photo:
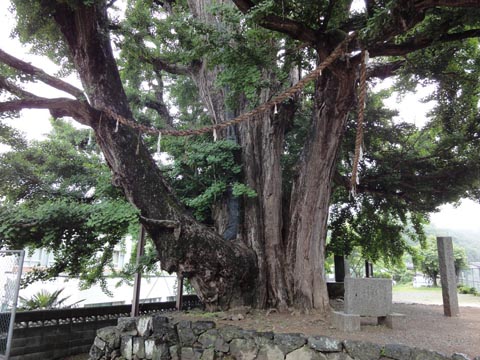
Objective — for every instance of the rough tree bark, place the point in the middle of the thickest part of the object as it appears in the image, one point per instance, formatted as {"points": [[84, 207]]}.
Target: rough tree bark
{"points": [[312, 189], [222, 272], [272, 262]]}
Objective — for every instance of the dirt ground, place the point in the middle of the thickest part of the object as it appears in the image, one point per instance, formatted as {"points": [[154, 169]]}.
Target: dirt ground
{"points": [[427, 327]]}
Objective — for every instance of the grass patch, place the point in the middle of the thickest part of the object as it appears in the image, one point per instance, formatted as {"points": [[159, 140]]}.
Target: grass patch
{"points": [[409, 287]]}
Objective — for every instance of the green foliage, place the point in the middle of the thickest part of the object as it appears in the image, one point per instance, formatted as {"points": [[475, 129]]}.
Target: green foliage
{"points": [[202, 172], [463, 289], [426, 260], [56, 194], [36, 26], [45, 300]]}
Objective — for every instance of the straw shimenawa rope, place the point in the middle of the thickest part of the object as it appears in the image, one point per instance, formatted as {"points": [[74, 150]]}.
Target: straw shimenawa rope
{"points": [[289, 93], [361, 115]]}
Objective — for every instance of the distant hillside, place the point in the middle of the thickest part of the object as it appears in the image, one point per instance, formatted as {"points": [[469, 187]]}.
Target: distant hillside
{"points": [[468, 239]]}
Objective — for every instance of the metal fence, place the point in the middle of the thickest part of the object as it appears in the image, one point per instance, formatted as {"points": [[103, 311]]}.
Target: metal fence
{"points": [[470, 277], [11, 263]]}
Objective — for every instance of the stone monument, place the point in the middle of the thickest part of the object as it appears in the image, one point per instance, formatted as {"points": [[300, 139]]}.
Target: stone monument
{"points": [[446, 262]]}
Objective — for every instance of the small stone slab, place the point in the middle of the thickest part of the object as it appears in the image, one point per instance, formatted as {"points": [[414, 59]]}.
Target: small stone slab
{"points": [[289, 342], [144, 325], [395, 321], [346, 322], [139, 347], [460, 356], [324, 344], [243, 349], [305, 353], [127, 326], [126, 347], [397, 351], [360, 350]]}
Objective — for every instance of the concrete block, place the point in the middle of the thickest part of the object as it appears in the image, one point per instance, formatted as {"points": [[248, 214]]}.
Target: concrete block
{"points": [[346, 322], [394, 321], [368, 297]]}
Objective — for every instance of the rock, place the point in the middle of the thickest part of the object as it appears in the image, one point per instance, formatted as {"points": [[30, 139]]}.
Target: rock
{"points": [[126, 347], [243, 349], [460, 356], [110, 335], [161, 352], [174, 352], [325, 344], [208, 338], [422, 354], [338, 356], [163, 330], [185, 333], [305, 353], [397, 351], [270, 352], [115, 354], [208, 354], [237, 317], [144, 325], [221, 345], [200, 327], [362, 350], [231, 332], [127, 326], [289, 342], [149, 346], [95, 353], [139, 347], [99, 343], [187, 353]]}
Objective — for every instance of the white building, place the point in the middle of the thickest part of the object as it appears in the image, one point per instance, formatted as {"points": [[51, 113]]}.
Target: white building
{"points": [[153, 288]]}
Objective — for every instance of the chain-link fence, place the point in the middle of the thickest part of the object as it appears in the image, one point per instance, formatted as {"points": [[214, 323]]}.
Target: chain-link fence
{"points": [[11, 263], [470, 277]]}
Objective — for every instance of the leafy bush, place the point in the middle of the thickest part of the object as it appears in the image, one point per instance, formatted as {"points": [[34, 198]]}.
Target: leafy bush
{"points": [[464, 289]]}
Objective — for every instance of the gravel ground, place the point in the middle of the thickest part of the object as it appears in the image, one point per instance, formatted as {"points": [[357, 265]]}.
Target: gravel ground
{"points": [[427, 328]]}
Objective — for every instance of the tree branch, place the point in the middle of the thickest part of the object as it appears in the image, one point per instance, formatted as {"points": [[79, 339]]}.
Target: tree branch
{"points": [[59, 107], [294, 29], [418, 43], [39, 74], [383, 71], [176, 69], [426, 4], [14, 89]]}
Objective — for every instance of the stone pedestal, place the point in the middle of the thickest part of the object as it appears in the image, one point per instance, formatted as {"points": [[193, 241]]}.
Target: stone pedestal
{"points": [[448, 278], [346, 322], [368, 297], [394, 321]]}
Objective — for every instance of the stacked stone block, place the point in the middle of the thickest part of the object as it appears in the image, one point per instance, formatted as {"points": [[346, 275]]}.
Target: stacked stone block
{"points": [[162, 338]]}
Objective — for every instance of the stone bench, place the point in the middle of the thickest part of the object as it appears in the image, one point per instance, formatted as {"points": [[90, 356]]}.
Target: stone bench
{"points": [[367, 297]]}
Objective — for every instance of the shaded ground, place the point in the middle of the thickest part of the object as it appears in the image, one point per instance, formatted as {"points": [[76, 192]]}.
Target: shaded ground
{"points": [[427, 328]]}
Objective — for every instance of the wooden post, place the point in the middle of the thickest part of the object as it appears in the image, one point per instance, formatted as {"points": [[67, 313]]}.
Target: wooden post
{"points": [[138, 274], [179, 291]]}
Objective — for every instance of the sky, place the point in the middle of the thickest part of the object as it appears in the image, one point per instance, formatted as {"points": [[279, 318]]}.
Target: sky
{"points": [[35, 123]]}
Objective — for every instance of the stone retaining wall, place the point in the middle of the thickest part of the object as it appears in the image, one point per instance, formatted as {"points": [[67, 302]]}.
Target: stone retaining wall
{"points": [[162, 338]]}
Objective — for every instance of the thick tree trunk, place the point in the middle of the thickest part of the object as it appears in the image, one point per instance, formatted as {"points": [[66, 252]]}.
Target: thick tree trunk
{"points": [[262, 144], [222, 272], [310, 199], [263, 269]]}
